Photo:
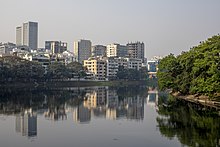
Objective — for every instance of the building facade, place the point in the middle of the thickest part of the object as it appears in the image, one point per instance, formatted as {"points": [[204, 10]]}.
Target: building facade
{"points": [[111, 68], [82, 50], [96, 66], [98, 50], [19, 37], [6, 48], [30, 34], [133, 63], [116, 50], [56, 46], [129, 63], [136, 50], [27, 35]]}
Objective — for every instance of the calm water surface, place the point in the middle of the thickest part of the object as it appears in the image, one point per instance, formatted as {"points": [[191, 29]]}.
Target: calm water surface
{"points": [[101, 116]]}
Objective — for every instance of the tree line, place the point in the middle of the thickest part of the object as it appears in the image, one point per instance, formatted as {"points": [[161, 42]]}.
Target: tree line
{"points": [[15, 69], [196, 71]]}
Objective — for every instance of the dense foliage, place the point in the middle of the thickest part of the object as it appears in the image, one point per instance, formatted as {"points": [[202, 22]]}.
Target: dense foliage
{"points": [[20, 70], [131, 74], [15, 69], [194, 72]]}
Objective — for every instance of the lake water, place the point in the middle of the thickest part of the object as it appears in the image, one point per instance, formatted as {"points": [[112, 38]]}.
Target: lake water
{"points": [[101, 116]]}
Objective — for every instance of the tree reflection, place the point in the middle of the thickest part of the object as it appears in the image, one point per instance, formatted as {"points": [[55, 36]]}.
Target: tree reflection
{"points": [[83, 102], [192, 124]]}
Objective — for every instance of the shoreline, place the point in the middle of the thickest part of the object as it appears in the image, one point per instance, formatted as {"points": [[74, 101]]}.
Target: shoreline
{"points": [[60, 84], [201, 100]]}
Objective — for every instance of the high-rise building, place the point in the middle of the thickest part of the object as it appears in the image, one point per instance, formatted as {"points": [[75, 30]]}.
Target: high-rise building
{"points": [[56, 46], [27, 35], [30, 34], [19, 36], [82, 50], [98, 50], [136, 50], [116, 50]]}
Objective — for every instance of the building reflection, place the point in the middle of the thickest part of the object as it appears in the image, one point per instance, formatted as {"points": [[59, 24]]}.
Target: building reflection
{"points": [[104, 102], [83, 103], [26, 124], [135, 108], [152, 98], [56, 113], [81, 114]]}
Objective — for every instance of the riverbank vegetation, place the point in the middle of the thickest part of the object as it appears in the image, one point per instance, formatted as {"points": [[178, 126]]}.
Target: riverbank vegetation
{"points": [[196, 71], [18, 71]]}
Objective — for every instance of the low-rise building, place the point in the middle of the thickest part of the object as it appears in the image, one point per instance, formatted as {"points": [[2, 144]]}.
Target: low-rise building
{"points": [[97, 66], [68, 57], [111, 68], [6, 48], [105, 68], [129, 63], [134, 63]]}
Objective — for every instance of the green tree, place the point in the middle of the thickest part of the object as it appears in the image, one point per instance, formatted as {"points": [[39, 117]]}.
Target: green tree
{"points": [[194, 72]]}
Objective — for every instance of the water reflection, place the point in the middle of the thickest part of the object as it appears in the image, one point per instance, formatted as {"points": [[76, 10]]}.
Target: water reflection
{"points": [[192, 124], [26, 124], [83, 103]]}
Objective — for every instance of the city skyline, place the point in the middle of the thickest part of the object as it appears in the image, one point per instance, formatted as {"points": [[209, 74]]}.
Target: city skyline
{"points": [[164, 27]]}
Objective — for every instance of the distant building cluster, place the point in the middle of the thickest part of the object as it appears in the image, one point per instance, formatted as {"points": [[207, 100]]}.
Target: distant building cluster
{"points": [[101, 61]]}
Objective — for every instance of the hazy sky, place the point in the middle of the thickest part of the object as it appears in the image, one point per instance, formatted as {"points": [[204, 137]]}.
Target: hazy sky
{"points": [[165, 26]]}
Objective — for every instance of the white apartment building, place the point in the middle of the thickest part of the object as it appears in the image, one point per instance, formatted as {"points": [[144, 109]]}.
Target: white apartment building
{"points": [[116, 50], [122, 61], [6, 48], [103, 68], [111, 68], [68, 57], [130, 63], [134, 63], [106, 68], [82, 50]]}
